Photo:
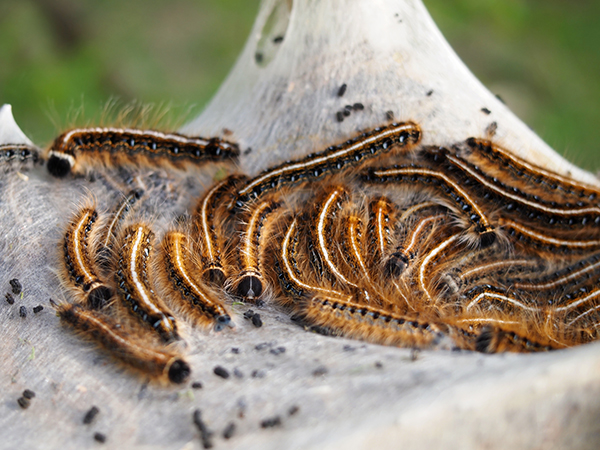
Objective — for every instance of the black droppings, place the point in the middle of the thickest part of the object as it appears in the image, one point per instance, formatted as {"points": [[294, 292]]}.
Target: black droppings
{"points": [[221, 371], [235, 350], [293, 410], [23, 312], [358, 107], [229, 430], [491, 129], [320, 371], [349, 348], [378, 364], [277, 39], [16, 286], [37, 309], [389, 115], [271, 422], [263, 345], [486, 111], [90, 415], [10, 299], [342, 90], [143, 391], [339, 116], [277, 351], [256, 321], [205, 433], [258, 374], [429, 92], [248, 151], [24, 402], [28, 394], [254, 317], [238, 373], [346, 112], [196, 385], [258, 57], [100, 437]]}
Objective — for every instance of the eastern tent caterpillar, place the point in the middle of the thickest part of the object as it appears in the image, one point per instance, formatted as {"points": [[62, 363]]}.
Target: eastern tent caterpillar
{"points": [[18, 156], [372, 324], [534, 175], [132, 279], [333, 160], [193, 298], [249, 283], [101, 329], [81, 148], [206, 215], [322, 230], [79, 265]]}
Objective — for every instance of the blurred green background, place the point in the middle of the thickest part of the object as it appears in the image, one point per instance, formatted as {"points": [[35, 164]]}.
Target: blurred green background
{"points": [[542, 57]]}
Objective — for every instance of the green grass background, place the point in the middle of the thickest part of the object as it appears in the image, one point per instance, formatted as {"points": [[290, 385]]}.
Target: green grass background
{"points": [[542, 57]]}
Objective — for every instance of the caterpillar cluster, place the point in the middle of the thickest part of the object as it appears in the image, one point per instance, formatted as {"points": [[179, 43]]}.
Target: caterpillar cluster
{"points": [[379, 238]]}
